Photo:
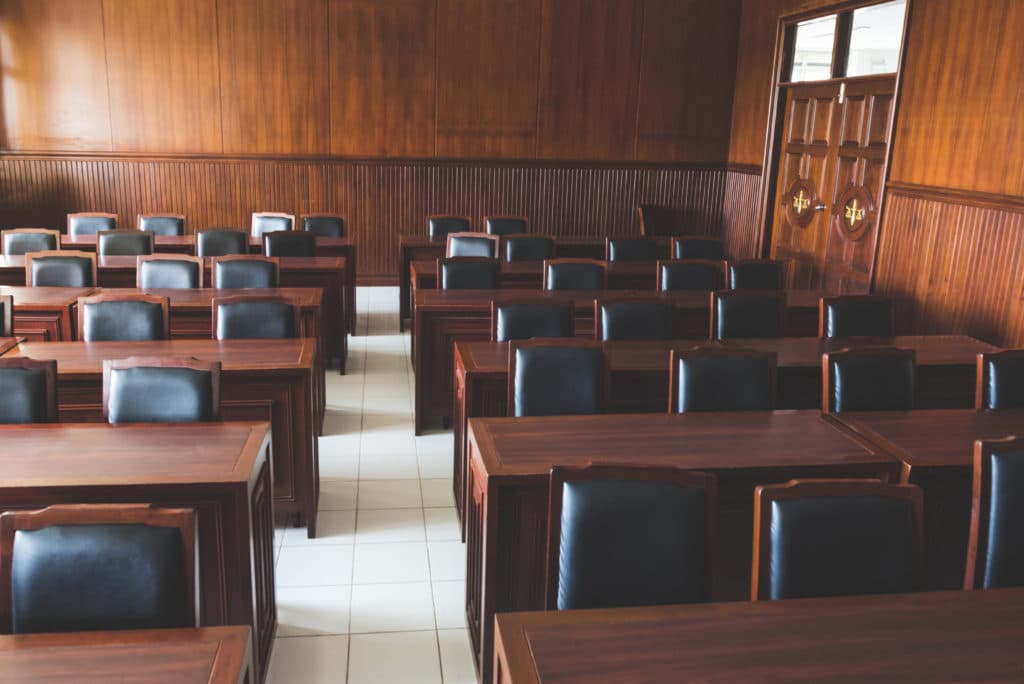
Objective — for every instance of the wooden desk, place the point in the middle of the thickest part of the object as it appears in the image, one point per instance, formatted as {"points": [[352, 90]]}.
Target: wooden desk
{"points": [[44, 314], [205, 655], [639, 374], [931, 637], [622, 275], [8, 343], [511, 458], [270, 380], [936, 449], [443, 316], [220, 469]]}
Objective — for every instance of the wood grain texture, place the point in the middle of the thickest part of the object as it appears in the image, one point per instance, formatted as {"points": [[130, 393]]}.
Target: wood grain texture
{"points": [[740, 232]]}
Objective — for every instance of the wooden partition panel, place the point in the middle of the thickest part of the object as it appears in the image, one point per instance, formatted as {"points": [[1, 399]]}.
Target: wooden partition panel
{"points": [[741, 232]]}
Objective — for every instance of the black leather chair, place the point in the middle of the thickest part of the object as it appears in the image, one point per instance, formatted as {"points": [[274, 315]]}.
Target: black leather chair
{"points": [[248, 318], [690, 275], [856, 316], [525, 319], [6, 315], [472, 245], [115, 317], [1000, 378], [170, 271], [161, 224], [744, 313], [506, 225], [25, 240], [29, 391], [528, 248], [60, 269], [623, 536], [815, 538], [269, 221], [289, 243], [869, 379], [90, 223], [324, 225], [556, 378], [630, 249], [995, 556], [468, 273], [99, 567], [756, 274], [655, 220], [161, 390], [221, 242], [638, 319], [245, 272], [697, 248], [123, 243], [575, 274], [716, 379], [438, 227]]}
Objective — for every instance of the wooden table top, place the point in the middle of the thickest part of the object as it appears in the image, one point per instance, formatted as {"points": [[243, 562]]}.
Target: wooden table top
{"points": [[929, 637], [42, 298], [428, 267], [207, 655], [78, 358], [96, 454], [729, 440], [8, 343], [932, 438], [420, 240], [200, 298], [14, 261]]}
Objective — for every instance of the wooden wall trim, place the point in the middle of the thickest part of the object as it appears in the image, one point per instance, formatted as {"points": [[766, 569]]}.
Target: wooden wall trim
{"points": [[971, 198], [749, 169]]}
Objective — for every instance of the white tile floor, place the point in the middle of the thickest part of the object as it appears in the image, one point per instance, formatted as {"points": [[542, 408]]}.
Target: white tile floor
{"points": [[378, 596]]}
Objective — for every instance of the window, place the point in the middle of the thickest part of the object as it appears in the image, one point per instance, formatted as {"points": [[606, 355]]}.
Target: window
{"points": [[812, 54], [875, 39]]}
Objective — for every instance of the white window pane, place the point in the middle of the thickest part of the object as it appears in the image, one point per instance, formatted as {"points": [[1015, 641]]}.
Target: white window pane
{"points": [[875, 39], [812, 54]]}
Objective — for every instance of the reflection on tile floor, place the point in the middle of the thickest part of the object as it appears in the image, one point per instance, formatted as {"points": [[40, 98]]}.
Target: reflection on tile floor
{"points": [[377, 597]]}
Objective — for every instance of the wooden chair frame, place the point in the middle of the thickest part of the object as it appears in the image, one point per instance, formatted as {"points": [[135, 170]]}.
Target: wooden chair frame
{"points": [[49, 368], [6, 315], [715, 352], [729, 263], [22, 231], [464, 260], [824, 301], [828, 380], [198, 261], [524, 219], [254, 299], [89, 214], [764, 495], [214, 261], [629, 298], [736, 294], [103, 297], [637, 238], [676, 241], [31, 256], [982, 360], [467, 219], [181, 217], [532, 236], [268, 214], [495, 241], [573, 342], [190, 363], [718, 265], [103, 233], [981, 506], [555, 262], [183, 519], [528, 300], [609, 471]]}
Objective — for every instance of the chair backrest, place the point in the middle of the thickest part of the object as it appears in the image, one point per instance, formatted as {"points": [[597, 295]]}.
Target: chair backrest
{"points": [[716, 379], [506, 225], [269, 221], [575, 274], [6, 315], [324, 225], [528, 248], [161, 224], [60, 269], [690, 275], [122, 317], [521, 320], [556, 378], [856, 316], [29, 391], [816, 538], [869, 379], [698, 248], [630, 249], [468, 273], [995, 556], [439, 226], [221, 242], [1000, 378], [633, 319], [747, 313], [123, 243], [25, 240], [164, 389], [170, 271], [623, 536], [472, 245], [97, 567], [90, 223], [756, 274], [245, 271], [655, 220], [289, 243], [247, 318]]}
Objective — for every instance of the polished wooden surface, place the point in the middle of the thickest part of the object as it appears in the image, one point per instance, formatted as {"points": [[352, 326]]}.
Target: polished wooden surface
{"points": [[510, 460], [220, 469], [929, 637], [7, 343], [205, 655], [45, 314], [622, 275], [740, 234]]}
